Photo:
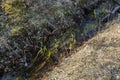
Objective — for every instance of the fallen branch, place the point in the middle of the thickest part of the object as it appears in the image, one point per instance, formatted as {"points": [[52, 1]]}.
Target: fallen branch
{"points": [[110, 15], [115, 10]]}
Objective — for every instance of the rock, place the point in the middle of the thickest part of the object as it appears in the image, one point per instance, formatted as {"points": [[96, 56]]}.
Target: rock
{"points": [[91, 33]]}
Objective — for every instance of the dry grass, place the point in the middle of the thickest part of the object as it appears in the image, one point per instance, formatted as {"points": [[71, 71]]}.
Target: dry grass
{"points": [[97, 59]]}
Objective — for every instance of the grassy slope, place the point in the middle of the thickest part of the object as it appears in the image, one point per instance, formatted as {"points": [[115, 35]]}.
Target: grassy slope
{"points": [[97, 59]]}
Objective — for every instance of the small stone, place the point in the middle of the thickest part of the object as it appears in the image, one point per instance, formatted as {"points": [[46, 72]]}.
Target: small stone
{"points": [[26, 64], [117, 76]]}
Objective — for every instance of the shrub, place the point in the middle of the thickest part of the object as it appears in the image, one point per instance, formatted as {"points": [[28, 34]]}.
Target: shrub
{"points": [[27, 31]]}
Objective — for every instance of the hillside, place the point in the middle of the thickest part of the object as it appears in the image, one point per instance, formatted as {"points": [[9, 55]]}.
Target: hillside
{"points": [[97, 59], [35, 35]]}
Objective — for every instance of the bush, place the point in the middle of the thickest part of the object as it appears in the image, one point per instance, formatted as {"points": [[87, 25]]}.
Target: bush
{"points": [[27, 36]]}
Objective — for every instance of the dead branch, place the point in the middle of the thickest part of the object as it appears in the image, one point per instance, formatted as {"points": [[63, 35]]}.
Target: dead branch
{"points": [[109, 16]]}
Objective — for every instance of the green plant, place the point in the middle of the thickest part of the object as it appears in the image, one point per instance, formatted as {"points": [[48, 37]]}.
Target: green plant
{"points": [[44, 54], [16, 31], [95, 13], [14, 9], [72, 41], [102, 11]]}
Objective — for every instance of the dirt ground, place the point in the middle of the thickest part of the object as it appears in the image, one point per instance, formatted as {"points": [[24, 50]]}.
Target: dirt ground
{"points": [[97, 59]]}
